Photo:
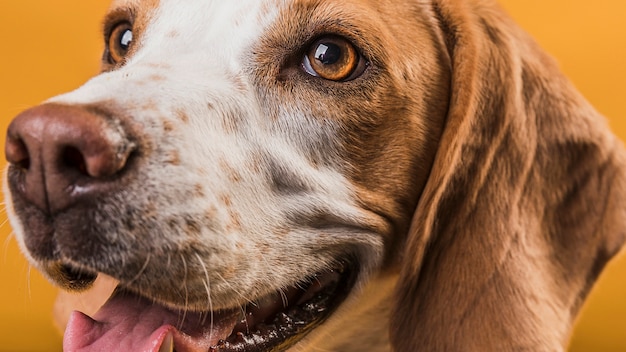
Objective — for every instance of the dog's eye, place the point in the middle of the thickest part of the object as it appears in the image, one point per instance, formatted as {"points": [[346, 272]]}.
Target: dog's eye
{"points": [[333, 58], [119, 42]]}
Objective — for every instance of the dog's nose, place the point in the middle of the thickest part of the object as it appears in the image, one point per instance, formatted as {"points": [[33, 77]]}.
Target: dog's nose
{"points": [[62, 153]]}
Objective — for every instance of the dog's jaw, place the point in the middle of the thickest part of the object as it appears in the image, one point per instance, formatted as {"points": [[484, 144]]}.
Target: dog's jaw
{"points": [[274, 322]]}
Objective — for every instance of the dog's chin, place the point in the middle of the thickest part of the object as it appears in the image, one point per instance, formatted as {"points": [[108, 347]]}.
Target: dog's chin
{"points": [[274, 322]]}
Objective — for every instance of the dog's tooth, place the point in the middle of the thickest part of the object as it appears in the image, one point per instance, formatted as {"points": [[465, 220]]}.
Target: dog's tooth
{"points": [[168, 343]]}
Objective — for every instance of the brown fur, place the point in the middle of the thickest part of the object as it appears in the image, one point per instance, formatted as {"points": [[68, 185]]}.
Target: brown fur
{"points": [[525, 203]]}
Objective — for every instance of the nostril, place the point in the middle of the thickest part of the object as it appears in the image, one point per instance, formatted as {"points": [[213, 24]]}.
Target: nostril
{"points": [[72, 158], [17, 153]]}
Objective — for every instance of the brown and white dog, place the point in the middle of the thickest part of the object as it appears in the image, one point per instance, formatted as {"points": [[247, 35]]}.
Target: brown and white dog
{"points": [[317, 175]]}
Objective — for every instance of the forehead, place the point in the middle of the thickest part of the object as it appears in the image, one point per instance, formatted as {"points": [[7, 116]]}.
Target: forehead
{"points": [[195, 12], [228, 17]]}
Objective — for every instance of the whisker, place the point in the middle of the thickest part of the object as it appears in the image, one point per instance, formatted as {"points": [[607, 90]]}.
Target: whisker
{"points": [[238, 292], [182, 257], [243, 311], [7, 242], [245, 299], [141, 271], [208, 292], [28, 281], [4, 222], [283, 297]]}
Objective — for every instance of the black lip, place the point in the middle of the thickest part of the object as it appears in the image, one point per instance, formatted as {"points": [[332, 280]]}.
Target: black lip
{"points": [[290, 326], [76, 279]]}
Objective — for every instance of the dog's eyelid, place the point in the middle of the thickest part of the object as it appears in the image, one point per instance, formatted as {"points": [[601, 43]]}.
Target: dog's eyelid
{"points": [[115, 18]]}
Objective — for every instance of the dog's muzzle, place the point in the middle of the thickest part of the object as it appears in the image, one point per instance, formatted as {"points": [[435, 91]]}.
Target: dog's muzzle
{"points": [[60, 157], [64, 161]]}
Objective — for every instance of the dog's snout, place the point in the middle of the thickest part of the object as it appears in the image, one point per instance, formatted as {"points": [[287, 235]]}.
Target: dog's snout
{"points": [[62, 153]]}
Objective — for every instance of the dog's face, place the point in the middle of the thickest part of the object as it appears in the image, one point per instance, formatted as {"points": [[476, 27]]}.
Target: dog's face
{"points": [[319, 175], [247, 168]]}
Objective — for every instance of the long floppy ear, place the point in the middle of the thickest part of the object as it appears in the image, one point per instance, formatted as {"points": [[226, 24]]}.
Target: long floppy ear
{"points": [[525, 204]]}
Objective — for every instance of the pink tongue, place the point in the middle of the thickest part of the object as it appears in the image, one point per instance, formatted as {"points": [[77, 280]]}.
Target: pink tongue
{"points": [[129, 323]]}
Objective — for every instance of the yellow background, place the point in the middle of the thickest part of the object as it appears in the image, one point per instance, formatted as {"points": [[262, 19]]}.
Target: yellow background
{"points": [[48, 47]]}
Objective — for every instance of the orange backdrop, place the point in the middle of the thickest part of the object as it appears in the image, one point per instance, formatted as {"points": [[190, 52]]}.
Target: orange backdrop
{"points": [[48, 47]]}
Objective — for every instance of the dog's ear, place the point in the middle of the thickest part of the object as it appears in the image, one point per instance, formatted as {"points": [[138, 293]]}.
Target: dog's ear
{"points": [[525, 204]]}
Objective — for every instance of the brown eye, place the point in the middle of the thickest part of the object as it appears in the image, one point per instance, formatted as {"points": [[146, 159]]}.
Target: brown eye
{"points": [[333, 58], [119, 42]]}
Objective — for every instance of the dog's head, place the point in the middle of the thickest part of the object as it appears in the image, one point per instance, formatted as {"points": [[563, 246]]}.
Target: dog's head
{"points": [[253, 173]]}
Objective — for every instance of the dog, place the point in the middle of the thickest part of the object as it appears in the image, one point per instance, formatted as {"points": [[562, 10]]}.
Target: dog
{"points": [[315, 175]]}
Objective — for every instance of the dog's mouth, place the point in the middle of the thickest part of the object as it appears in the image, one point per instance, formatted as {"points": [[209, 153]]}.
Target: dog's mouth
{"points": [[130, 322]]}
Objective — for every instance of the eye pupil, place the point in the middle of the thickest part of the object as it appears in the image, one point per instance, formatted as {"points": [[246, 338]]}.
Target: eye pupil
{"points": [[328, 53]]}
